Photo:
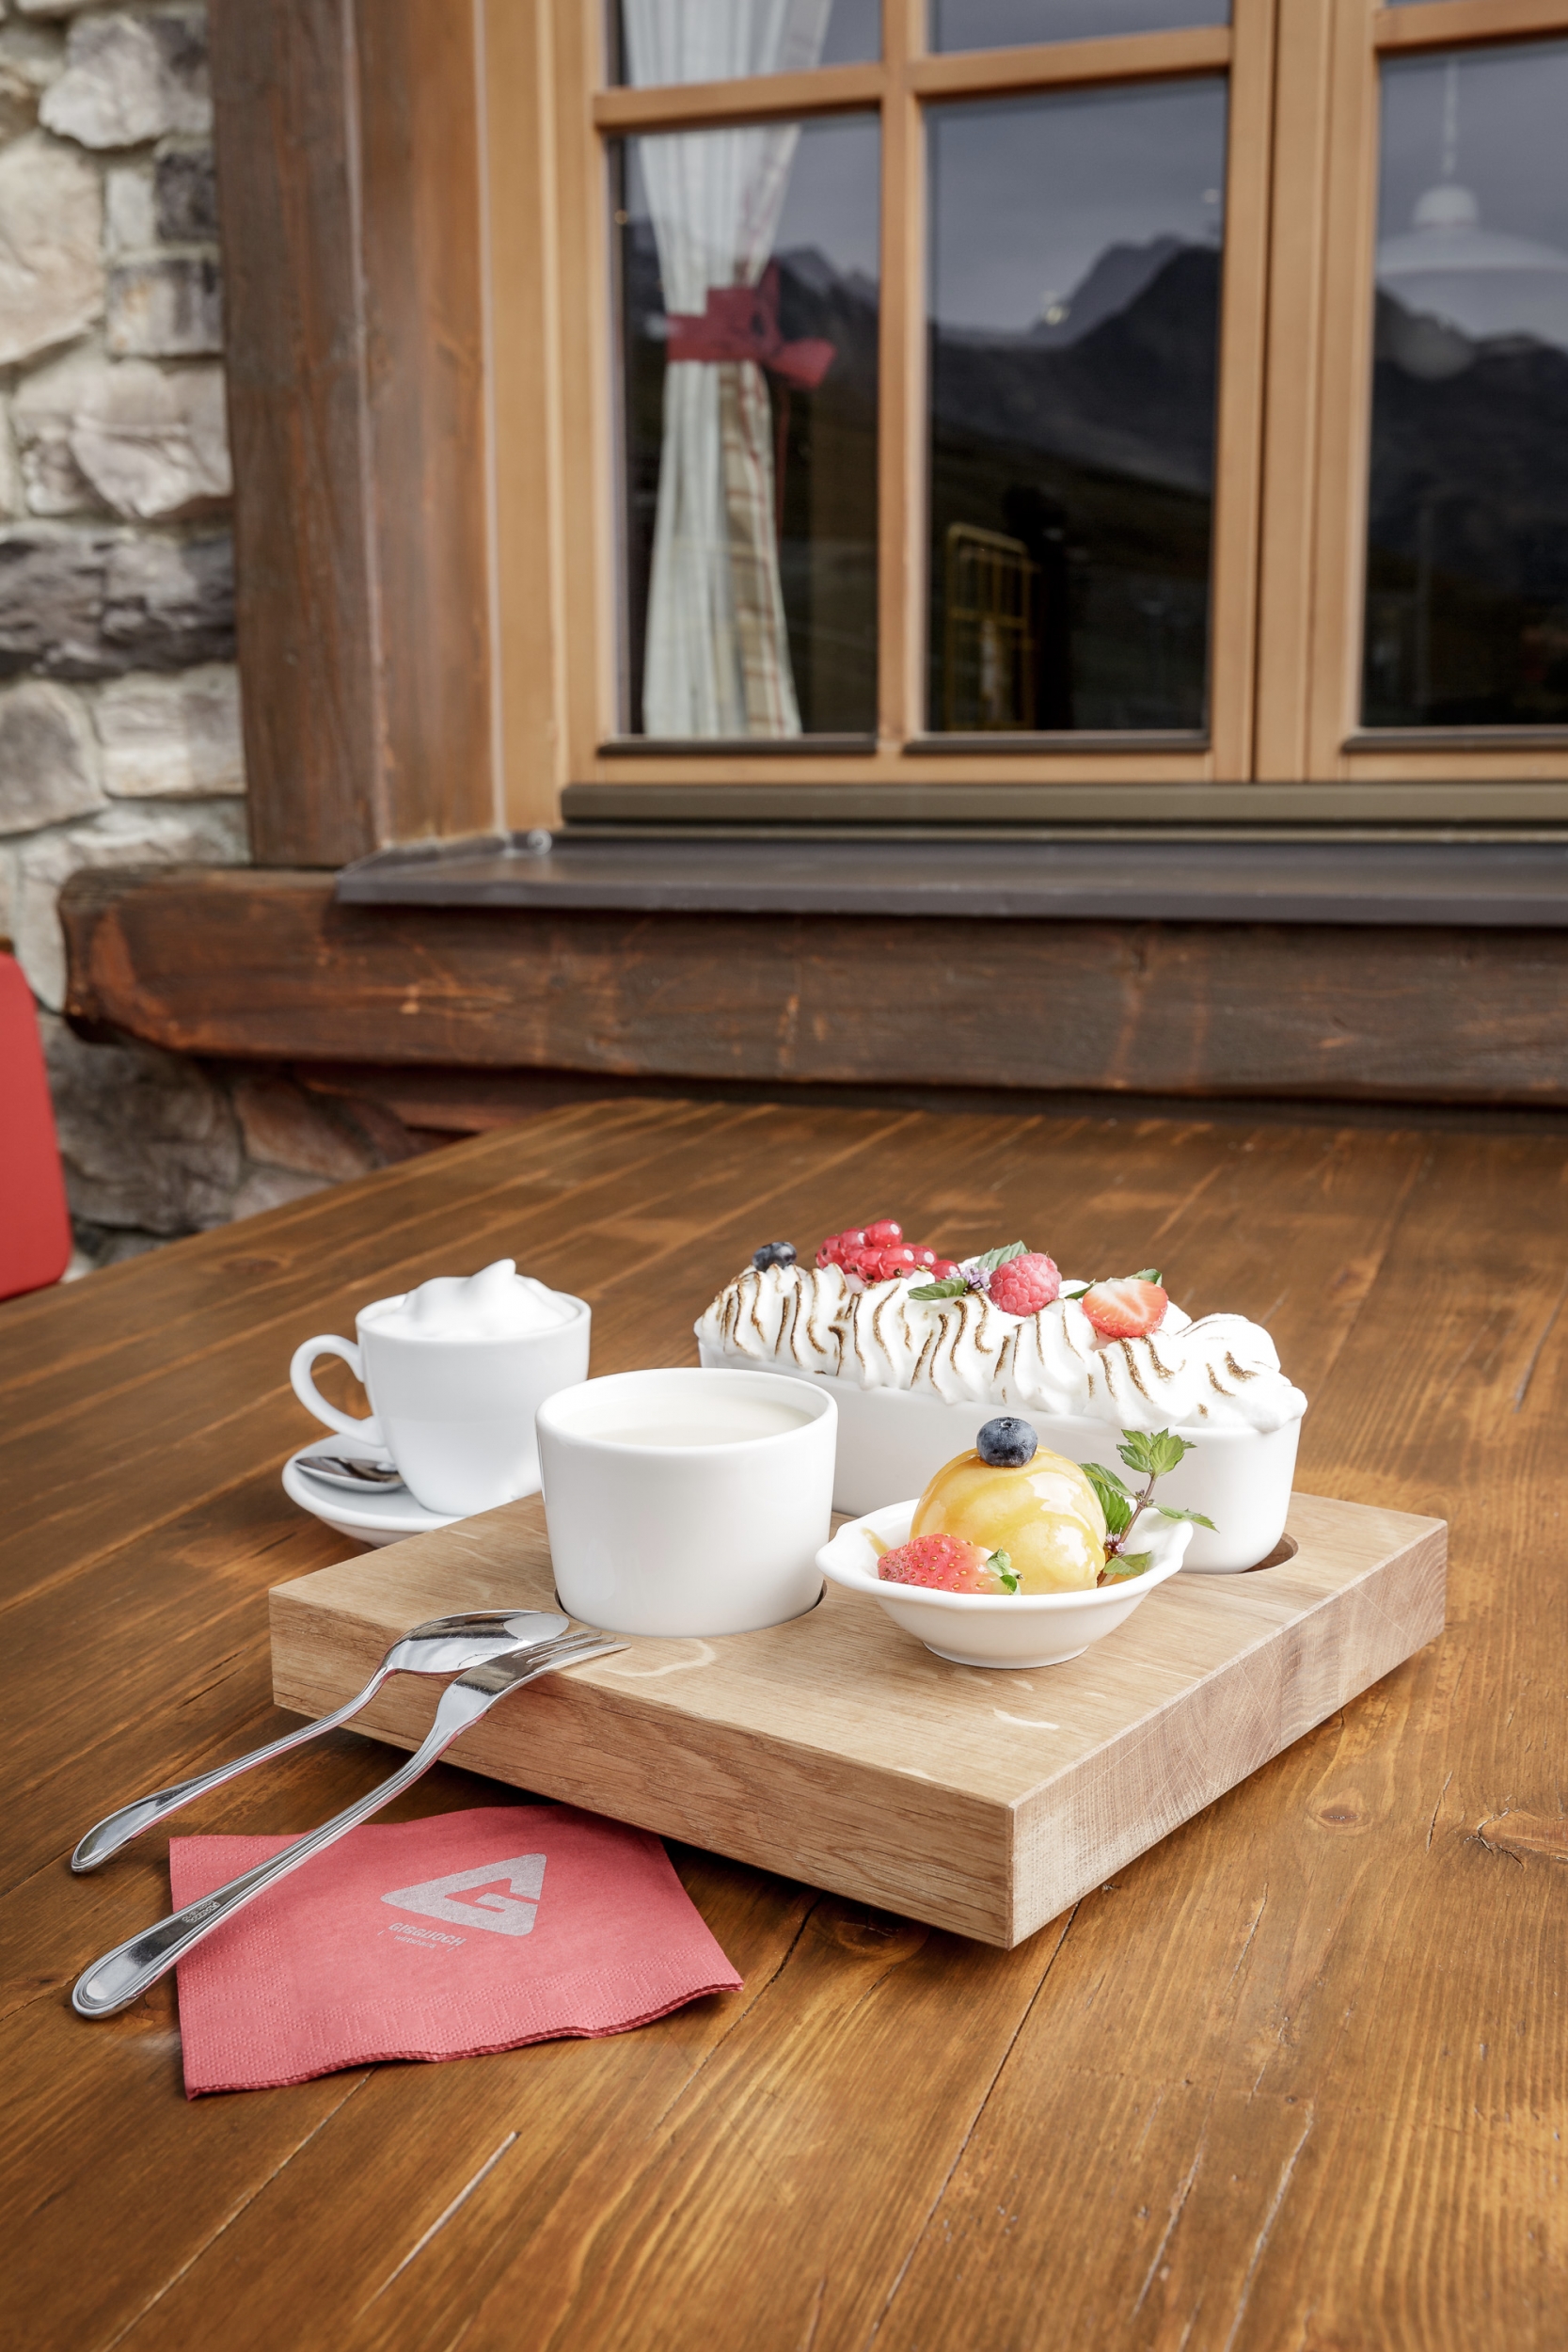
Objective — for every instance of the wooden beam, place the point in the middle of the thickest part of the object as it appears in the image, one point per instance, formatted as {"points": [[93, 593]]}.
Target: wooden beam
{"points": [[752, 97], [1439, 23], [348, 175], [1114, 57], [267, 966]]}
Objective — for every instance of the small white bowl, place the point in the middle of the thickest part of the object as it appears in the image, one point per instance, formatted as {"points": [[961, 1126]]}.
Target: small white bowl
{"points": [[996, 1629]]}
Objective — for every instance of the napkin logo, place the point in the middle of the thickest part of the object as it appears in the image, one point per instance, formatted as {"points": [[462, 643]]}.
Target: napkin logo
{"points": [[509, 1900]]}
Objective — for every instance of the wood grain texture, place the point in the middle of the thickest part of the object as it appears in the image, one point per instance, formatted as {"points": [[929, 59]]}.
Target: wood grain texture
{"points": [[1291, 2079], [266, 966], [354, 347], [838, 1749], [283, 100]]}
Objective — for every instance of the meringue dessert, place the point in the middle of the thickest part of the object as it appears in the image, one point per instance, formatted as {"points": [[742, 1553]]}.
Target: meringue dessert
{"points": [[1001, 1329]]}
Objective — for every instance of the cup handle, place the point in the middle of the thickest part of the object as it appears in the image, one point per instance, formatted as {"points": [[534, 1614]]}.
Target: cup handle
{"points": [[301, 1371]]}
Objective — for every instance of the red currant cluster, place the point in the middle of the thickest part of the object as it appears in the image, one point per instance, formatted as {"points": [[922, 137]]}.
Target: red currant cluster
{"points": [[879, 1251]]}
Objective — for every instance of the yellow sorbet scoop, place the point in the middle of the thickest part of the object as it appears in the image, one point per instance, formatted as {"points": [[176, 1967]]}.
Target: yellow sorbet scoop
{"points": [[1046, 1517]]}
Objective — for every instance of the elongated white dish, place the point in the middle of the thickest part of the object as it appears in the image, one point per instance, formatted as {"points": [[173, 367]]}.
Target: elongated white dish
{"points": [[1002, 1628], [891, 1443]]}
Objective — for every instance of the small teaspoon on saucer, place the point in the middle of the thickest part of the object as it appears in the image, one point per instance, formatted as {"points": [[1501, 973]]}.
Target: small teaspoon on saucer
{"points": [[349, 1470]]}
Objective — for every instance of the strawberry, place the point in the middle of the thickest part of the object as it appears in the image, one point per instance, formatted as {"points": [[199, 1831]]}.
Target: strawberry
{"points": [[1130, 1308], [944, 1563], [1021, 1286]]}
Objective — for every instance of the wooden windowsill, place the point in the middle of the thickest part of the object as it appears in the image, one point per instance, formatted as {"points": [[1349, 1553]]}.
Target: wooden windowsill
{"points": [[1480, 885]]}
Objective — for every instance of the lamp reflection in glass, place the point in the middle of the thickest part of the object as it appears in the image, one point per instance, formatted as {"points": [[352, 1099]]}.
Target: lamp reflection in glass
{"points": [[1457, 283], [1466, 599]]}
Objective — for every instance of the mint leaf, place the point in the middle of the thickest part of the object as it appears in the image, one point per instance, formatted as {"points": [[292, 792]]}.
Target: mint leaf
{"points": [[1123, 1564], [1082, 1292], [1007, 1574], [1148, 1274], [991, 1259], [1196, 1517], [1152, 1455], [1114, 1501], [950, 1286]]}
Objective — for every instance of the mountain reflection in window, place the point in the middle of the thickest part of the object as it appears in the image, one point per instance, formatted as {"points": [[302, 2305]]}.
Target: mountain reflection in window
{"points": [[1466, 608], [1075, 282]]}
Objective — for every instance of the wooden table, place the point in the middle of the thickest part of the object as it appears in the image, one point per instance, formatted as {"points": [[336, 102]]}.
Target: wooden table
{"points": [[1295, 2080]]}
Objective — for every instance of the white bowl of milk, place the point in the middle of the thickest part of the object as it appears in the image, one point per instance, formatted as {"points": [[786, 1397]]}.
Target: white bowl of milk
{"points": [[688, 1502]]}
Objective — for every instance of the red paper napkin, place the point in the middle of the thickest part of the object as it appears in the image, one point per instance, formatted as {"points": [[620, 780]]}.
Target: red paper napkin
{"points": [[435, 1939]]}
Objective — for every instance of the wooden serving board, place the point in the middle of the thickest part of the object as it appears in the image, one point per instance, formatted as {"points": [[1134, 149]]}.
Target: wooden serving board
{"points": [[837, 1750]]}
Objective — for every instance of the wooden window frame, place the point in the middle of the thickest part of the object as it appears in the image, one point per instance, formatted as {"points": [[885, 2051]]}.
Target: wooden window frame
{"points": [[421, 406], [905, 757], [1314, 533]]}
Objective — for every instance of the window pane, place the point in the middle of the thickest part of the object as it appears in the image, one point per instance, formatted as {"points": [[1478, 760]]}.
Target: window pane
{"points": [[1467, 620], [1074, 339], [716, 40], [749, 278], [1011, 24]]}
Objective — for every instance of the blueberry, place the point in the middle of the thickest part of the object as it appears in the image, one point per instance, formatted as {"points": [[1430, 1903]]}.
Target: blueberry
{"points": [[773, 1253], [1007, 1443]]}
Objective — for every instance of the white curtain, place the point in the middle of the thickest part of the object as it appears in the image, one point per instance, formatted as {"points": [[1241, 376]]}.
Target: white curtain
{"points": [[717, 656]]}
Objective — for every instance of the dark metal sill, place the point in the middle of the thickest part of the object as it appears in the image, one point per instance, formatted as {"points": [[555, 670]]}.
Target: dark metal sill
{"points": [[1482, 885]]}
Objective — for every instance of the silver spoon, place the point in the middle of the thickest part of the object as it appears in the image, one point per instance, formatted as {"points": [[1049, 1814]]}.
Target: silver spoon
{"points": [[444, 1645], [123, 1975], [349, 1470]]}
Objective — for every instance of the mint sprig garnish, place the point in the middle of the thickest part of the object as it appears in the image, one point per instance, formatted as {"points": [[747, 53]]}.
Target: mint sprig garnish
{"points": [[1150, 1456], [1005, 1572], [971, 1276]]}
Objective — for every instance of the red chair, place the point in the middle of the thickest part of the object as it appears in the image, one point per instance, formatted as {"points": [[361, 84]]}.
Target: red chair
{"points": [[35, 1224]]}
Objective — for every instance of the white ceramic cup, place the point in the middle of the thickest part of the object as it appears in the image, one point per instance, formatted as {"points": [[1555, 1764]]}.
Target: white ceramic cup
{"points": [[456, 1415], [695, 1539]]}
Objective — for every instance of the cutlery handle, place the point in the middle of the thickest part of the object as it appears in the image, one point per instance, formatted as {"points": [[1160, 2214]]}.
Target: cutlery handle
{"points": [[123, 1975], [117, 1829]]}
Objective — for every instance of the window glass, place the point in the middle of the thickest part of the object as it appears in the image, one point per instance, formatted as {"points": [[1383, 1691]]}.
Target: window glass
{"points": [[749, 295], [1012, 23], [1467, 620], [717, 40], [1075, 285]]}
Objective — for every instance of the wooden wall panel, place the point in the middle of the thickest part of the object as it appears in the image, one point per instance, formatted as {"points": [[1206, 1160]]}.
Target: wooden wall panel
{"points": [[425, 398], [350, 210], [268, 966], [283, 100]]}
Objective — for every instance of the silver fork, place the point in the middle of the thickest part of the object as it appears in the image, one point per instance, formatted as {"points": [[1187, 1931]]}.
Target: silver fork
{"points": [[442, 1646], [123, 1975]]}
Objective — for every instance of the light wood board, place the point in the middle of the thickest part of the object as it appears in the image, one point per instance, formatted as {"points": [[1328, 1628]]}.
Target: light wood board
{"points": [[837, 1750]]}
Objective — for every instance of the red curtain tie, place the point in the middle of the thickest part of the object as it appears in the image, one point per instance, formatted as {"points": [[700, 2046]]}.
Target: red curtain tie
{"points": [[742, 323]]}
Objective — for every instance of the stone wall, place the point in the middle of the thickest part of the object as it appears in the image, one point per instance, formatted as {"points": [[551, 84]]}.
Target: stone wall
{"points": [[120, 714]]}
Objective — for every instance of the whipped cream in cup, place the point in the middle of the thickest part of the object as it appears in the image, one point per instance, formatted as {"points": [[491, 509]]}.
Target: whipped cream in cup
{"points": [[914, 1380], [457, 1371]]}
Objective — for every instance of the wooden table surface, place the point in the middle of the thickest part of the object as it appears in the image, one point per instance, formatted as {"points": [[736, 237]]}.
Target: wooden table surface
{"points": [[1294, 2082]]}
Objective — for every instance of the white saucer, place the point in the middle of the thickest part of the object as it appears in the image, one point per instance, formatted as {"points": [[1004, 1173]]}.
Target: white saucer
{"points": [[366, 1517]]}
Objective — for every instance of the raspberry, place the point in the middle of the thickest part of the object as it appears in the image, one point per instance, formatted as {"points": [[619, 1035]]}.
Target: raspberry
{"points": [[1130, 1308], [944, 1563], [1023, 1285]]}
